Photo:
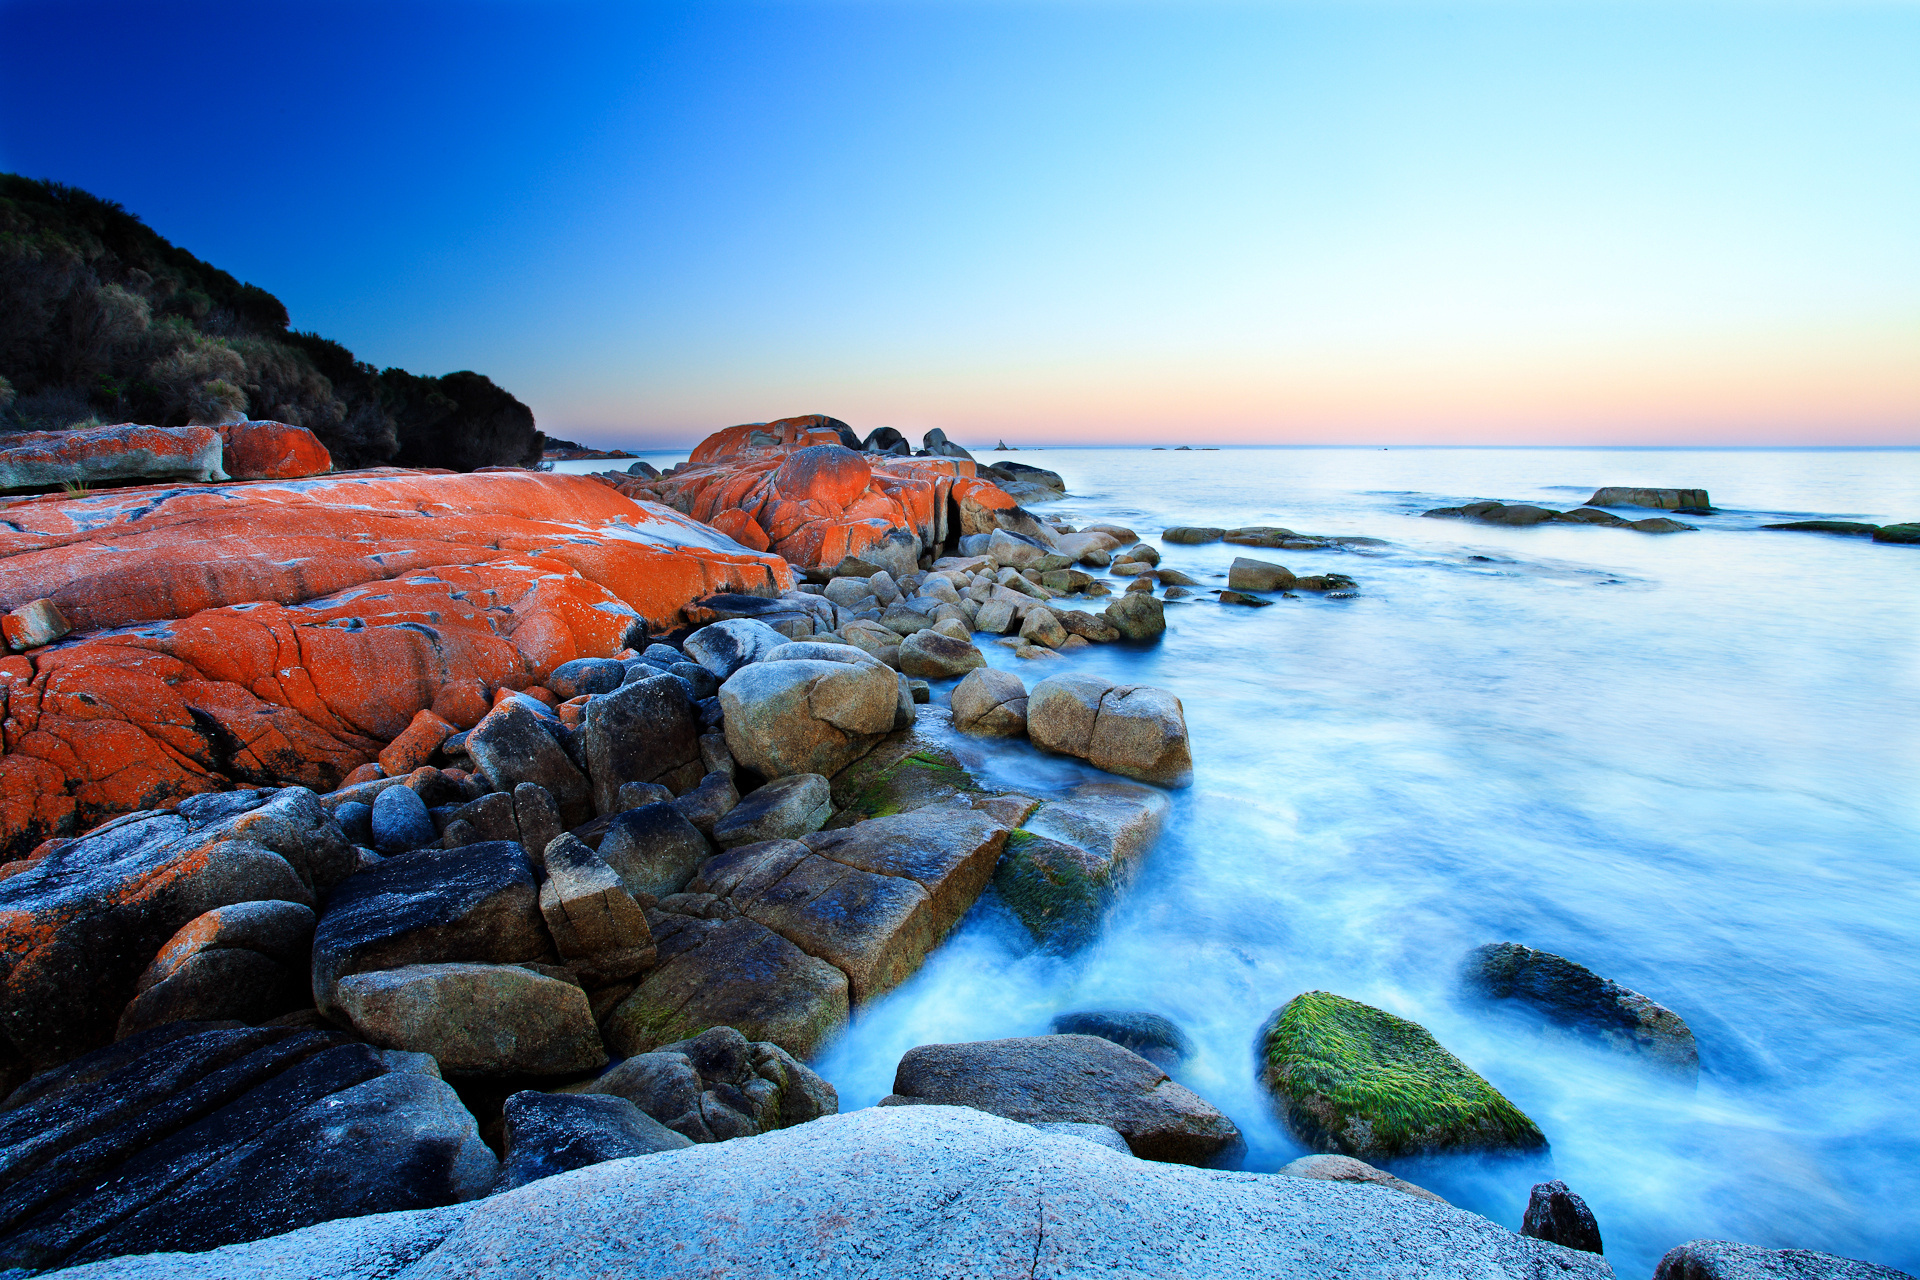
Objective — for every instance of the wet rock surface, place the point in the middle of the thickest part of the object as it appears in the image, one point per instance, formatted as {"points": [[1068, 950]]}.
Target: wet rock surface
{"points": [[1574, 996], [1082, 1079]]}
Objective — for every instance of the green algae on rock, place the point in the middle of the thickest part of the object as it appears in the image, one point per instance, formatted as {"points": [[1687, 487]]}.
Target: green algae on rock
{"points": [[1350, 1079], [907, 770]]}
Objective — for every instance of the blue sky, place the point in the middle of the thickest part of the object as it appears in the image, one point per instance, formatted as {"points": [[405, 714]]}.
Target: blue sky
{"points": [[1441, 222]]}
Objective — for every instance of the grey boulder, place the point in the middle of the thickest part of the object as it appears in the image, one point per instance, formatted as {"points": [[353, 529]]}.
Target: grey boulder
{"points": [[1065, 1077], [807, 717], [990, 703], [549, 1133], [1136, 731], [248, 962], [1555, 1213], [401, 822], [781, 810], [477, 903], [725, 647], [646, 731], [476, 1019], [512, 745], [720, 1085], [1157, 1039], [654, 849]]}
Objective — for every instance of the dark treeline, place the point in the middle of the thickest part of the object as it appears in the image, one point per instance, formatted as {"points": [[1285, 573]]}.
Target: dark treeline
{"points": [[102, 320]]}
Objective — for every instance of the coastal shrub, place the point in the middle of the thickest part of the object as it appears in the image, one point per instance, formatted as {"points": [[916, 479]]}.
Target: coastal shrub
{"points": [[105, 320]]}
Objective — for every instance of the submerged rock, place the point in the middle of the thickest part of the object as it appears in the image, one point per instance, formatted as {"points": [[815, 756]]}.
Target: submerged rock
{"points": [[1071, 858], [1153, 1037], [1555, 1213], [1083, 1079], [1350, 1079], [1575, 996], [1846, 528]]}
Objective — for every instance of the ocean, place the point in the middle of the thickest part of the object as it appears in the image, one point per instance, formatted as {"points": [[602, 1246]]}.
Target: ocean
{"points": [[1689, 762]]}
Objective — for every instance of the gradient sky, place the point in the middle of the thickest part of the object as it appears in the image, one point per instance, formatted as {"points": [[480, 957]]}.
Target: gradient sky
{"points": [[1433, 222]]}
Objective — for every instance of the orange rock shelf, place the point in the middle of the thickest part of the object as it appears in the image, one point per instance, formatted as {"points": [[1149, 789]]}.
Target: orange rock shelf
{"points": [[285, 631], [809, 498]]}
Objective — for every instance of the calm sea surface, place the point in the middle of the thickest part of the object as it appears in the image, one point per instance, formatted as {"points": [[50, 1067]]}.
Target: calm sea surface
{"points": [[1689, 762]]}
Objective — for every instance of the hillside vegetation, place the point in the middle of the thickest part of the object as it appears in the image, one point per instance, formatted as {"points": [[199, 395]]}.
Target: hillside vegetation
{"points": [[103, 320]]}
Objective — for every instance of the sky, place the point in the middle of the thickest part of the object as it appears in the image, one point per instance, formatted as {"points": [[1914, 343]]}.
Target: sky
{"points": [[1066, 222]]}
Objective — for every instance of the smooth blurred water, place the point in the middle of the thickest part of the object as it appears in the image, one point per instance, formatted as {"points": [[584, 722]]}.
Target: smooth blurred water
{"points": [[1686, 761]]}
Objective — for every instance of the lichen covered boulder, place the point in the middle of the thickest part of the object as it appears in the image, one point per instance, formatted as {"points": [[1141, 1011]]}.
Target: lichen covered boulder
{"points": [[104, 455], [278, 632], [1350, 1079]]}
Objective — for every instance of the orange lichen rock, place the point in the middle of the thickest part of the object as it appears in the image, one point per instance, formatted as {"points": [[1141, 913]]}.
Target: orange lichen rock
{"points": [[795, 487], [285, 631], [273, 451]]}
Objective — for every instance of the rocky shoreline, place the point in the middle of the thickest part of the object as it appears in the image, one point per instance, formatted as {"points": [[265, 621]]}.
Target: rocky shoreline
{"points": [[459, 871]]}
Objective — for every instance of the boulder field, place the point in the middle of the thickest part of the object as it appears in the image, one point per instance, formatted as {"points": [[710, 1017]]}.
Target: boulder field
{"points": [[286, 631]]}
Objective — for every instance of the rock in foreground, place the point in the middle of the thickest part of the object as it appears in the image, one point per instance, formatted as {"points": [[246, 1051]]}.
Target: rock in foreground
{"points": [[1725, 1260], [904, 1191], [1354, 1080], [1081, 1079]]}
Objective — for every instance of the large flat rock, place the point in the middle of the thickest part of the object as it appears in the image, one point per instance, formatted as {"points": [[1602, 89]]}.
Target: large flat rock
{"points": [[907, 1191]]}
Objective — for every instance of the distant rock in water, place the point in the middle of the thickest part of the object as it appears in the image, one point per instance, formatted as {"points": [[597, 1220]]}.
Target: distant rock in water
{"points": [[1907, 534], [1350, 1079], [1846, 528], [1575, 996], [1694, 500], [1524, 515]]}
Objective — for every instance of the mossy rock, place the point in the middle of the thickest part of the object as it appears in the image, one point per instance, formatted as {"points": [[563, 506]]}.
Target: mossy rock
{"points": [[908, 770], [1353, 1080], [1908, 534], [1059, 890]]}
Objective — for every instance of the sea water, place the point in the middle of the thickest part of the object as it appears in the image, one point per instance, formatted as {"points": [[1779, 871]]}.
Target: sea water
{"points": [[1689, 762]]}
